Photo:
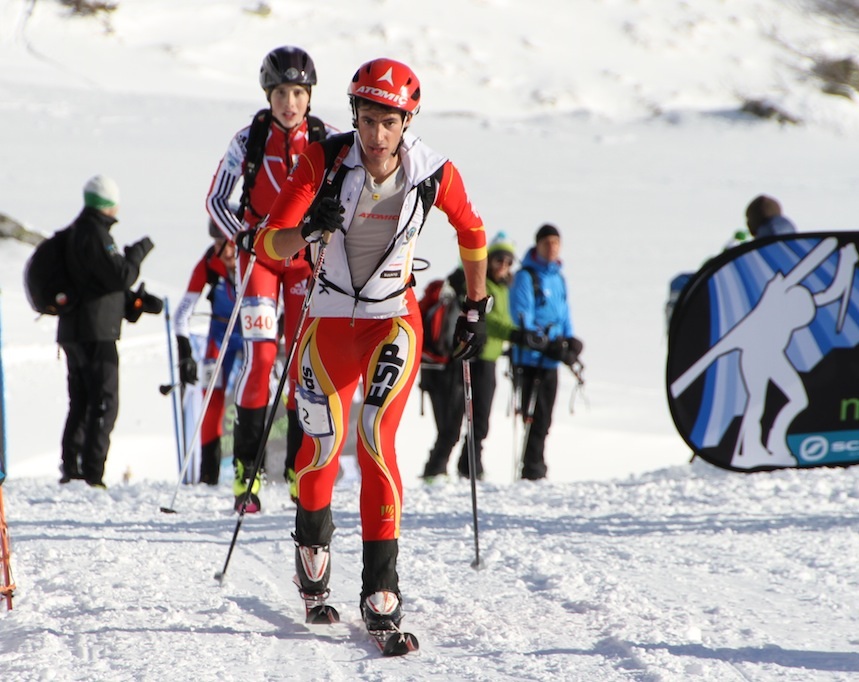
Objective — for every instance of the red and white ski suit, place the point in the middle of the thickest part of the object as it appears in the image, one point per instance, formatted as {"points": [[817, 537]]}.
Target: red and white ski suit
{"points": [[374, 334], [269, 280]]}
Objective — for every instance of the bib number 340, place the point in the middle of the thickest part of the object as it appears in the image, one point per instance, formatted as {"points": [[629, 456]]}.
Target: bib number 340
{"points": [[259, 319]]}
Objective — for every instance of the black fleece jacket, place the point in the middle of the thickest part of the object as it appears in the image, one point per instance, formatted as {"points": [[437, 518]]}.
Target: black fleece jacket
{"points": [[102, 276]]}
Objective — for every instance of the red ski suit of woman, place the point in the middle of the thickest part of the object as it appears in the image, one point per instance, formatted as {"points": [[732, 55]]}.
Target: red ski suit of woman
{"points": [[270, 279]]}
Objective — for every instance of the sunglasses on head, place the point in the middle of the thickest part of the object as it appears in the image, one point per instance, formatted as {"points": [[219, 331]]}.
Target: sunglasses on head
{"points": [[502, 260]]}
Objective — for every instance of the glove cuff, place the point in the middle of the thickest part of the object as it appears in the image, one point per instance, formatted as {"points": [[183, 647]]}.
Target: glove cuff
{"points": [[483, 306], [184, 345]]}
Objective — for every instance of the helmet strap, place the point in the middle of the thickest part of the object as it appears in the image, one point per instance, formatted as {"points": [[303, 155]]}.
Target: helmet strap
{"points": [[353, 102], [278, 123], [407, 121]]}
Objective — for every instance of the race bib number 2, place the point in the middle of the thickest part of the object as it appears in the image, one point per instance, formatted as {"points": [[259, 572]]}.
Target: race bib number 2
{"points": [[314, 414], [259, 319]]}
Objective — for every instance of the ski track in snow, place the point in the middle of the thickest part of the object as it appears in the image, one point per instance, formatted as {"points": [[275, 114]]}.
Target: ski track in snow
{"points": [[681, 574]]}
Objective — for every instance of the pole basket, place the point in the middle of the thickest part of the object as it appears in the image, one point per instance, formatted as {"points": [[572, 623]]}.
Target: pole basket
{"points": [[7, 586]]}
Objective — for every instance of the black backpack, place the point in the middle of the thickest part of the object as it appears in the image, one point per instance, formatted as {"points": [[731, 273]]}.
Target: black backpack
{"points": [[539, 296], [255, 152], [47, 282]]}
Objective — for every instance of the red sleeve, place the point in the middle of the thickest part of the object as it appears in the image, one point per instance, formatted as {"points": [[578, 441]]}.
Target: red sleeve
{"points": [[215, 264], [198, 277], [297, 193], [295, 197], [453, 200]]}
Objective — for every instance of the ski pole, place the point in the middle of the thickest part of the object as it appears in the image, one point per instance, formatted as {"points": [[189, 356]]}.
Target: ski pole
{"points": [[514, 408], [220, 361], [528, 419], [296, 335], [186, 453], [167, 318], [472, 455]]}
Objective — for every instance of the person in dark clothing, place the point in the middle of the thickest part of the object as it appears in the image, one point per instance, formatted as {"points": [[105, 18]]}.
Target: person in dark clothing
{"points": [[443, 384], [538, 303], [499, 329], [88, 333], [215, 270]]}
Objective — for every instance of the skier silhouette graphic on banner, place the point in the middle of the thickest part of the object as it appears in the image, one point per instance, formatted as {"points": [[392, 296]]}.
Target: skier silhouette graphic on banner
{"points": [[763, 366]]}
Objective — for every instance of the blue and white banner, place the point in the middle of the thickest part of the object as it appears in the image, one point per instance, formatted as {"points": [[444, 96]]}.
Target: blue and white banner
{"points": [[763, 354]]}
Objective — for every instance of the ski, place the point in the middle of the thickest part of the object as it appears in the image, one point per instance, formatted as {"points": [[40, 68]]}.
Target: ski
{"points": [[316, 610], [321, 614], [394, 642], [390, 640]]}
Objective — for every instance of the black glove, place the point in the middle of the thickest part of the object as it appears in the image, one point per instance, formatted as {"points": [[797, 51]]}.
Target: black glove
{"points": [[533, 340], [245, 240], [139, 302], [149, 303], [326, 217], [139, 250], [469, 335], [133, 306], [152, 304], [565, 350], [187, 364]]}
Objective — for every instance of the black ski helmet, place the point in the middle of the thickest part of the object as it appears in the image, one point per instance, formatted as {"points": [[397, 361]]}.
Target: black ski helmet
{"points": [[286, 64]]}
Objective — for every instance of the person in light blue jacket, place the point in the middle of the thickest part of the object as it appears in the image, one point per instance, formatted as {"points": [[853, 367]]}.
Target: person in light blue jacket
{"points": [[538, 304], [764, 218]]}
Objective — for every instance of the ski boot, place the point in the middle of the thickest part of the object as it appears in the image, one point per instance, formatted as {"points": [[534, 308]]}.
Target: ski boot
{"points": [[70, 470], [241, 483], [312, 571], [292, 481], [382, 613]]}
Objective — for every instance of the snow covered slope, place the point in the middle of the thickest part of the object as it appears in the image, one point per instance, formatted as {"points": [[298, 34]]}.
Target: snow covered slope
{"points": [[617, 120]]}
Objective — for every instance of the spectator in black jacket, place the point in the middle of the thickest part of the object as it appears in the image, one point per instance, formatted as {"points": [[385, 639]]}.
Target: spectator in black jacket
{"points": [[88, 333]]}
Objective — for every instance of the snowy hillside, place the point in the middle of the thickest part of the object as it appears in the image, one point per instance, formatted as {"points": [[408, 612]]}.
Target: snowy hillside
{"points": [[619, 120], [621, 60]]}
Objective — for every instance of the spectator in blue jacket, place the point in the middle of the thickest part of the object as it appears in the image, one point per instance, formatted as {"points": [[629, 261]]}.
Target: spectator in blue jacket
{"points": [[538, 303]]}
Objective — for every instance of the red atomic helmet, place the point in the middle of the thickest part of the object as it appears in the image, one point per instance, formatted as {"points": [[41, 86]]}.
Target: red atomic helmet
{"points": [[387, 82]]}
